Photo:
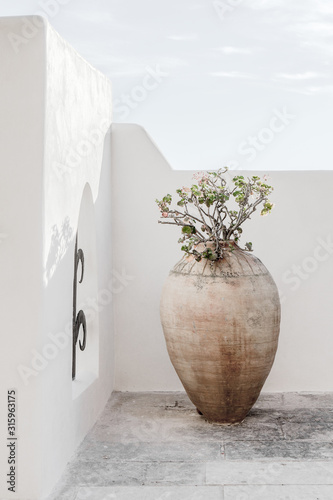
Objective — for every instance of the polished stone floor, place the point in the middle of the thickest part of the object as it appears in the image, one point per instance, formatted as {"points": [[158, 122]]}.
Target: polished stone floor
{"points": [[154, 446]]}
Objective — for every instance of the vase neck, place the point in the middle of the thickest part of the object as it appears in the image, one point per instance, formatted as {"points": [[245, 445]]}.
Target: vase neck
{"points": [[227, 244]]}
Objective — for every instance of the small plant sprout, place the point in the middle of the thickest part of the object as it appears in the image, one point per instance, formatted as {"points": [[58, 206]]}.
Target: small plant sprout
{"points": [[212, 213]]}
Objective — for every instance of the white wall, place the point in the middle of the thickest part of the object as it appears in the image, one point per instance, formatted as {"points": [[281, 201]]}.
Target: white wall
{"points": [[54, 146], [299, 232]]}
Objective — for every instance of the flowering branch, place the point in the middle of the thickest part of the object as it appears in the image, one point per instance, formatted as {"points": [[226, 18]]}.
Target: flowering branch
{"points": [[208, 197]]}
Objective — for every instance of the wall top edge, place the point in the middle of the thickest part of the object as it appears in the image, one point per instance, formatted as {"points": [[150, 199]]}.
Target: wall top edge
{"points": [[42, 24], [139, 130], [23, 18]]}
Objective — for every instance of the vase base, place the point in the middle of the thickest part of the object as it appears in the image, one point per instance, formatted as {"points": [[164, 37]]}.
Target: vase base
{"points": [[222, 421], [225, 424]]}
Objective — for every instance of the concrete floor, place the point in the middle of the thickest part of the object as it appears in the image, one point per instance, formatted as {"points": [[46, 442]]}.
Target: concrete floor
{"points": [[154, 446]]}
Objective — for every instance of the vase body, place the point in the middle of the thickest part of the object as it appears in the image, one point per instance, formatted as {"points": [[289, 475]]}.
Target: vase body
{"points": [[221, 323]]}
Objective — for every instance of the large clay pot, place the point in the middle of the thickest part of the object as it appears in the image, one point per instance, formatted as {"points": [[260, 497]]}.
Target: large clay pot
{"points": [[221, 323]]}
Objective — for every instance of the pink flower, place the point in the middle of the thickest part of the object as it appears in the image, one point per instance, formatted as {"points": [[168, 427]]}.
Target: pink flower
{"points": [[164, 214], [200, 177]]}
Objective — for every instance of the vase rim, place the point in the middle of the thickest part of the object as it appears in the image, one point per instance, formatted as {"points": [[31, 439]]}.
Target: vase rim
{"points": [[225, 244], [221, 242]]}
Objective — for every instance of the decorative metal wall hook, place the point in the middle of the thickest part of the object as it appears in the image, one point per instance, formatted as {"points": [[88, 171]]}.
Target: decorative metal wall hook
{"points": [[79, 319]]}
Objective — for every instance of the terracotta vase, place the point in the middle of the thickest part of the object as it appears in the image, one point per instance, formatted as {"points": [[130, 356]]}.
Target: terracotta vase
{"points": [[221, 323]]}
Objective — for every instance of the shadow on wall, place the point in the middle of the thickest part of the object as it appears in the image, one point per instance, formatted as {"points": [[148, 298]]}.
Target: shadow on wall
{"points": [[61, 238]]}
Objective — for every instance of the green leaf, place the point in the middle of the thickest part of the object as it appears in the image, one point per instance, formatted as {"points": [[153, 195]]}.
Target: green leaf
{"points": [[189, 230]]}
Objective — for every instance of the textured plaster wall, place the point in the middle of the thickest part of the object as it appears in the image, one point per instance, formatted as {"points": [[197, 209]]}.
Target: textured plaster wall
{"points": [[295, 243], [55, 112]]}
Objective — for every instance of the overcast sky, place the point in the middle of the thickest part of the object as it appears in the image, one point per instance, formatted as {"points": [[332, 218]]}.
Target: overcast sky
{"points": [[244, 83]]}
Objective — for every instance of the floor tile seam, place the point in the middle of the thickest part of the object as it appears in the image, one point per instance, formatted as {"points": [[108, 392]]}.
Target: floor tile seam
{"points": [[237, 485], [284, 440], [176, 441], [280, 459], [145, 461], [274, 460], [149, 462], [209, 460], [242, 440]]}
